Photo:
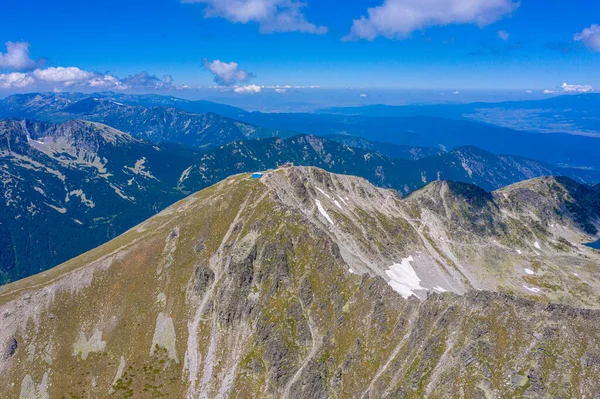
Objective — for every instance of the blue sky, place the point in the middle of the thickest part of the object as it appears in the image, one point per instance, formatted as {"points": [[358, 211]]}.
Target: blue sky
{"points": [[486, 44]]}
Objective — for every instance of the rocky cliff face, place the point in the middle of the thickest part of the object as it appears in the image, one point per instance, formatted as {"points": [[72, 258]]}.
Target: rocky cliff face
{"points": [[67, 188], [294, 286]]}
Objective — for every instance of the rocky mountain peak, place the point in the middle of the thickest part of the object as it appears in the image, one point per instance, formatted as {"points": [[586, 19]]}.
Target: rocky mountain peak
{"points": [[303, 284]]}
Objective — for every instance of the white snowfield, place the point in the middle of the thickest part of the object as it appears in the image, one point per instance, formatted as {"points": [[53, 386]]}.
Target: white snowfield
{"points": [[323, 212], [403, 278], [537, 245], [529, 271]]}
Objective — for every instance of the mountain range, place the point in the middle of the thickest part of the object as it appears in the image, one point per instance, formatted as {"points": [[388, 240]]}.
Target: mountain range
{"points": [[70, 187], [309, 284], [442, 133], [45, 105], [187, 122], [575, 113]]}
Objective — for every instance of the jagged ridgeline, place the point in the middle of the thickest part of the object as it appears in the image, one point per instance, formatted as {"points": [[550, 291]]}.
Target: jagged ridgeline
{"points": [[305, 284]]}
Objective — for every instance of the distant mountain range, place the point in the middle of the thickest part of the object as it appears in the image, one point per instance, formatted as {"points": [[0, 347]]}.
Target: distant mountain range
{"points": [[44, 105], [391, 150], [165, 124], [443, 127], [442, 133], [156, 123], [576, 114], [465, 164]]}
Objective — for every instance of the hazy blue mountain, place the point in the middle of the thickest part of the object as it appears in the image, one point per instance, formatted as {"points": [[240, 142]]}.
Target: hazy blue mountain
{"points": [[165, 124], [576, 114], [192, 106], [427, 131], [391, 150], [45, 105], [40, 106]]}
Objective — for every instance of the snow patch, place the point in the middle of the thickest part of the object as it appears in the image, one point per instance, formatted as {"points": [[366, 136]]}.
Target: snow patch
{"points": [[440, 289], [338, 204], [343, 200], [352, 271], [529, 271], [537, 245], [519, 252], [532, 289], [323, 192], [322, 211], [403, 278]]}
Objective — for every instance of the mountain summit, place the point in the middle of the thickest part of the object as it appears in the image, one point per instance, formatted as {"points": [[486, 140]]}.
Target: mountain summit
{"points": [[305, 284]]}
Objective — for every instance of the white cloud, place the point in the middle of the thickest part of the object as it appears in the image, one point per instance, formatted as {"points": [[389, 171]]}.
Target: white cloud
{"points": [[456, 92], [396, 19], [566, 88], [270, 15], [62, 75], [280, 91], [16, 57], [15, 80], [528, 91], [503, 35], [59, 78], [363, 95], [590, 37], [226, 73], [248, 89]]}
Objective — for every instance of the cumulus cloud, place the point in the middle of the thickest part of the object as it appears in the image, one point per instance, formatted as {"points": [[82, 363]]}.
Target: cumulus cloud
{"points": [[15, 80], [17, 57], [396, 19], [363, 95], [589, 37], [59, 78], [225, 73], [503, 35], [248, 89], [566, 88], [456, 92], [270, 15], [144, 80], [67, 75]]}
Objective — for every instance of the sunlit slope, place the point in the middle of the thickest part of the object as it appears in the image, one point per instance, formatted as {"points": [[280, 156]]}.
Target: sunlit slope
{"points": [[252, 288]]}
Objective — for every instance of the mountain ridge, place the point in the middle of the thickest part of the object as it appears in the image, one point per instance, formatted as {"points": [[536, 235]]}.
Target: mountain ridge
{"points": [[236, 302]]}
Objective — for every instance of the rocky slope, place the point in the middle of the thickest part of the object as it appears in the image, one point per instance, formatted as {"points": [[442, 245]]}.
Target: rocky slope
{"points": [[67, 188], [292, 286], [165, 124], [91, 182]]}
